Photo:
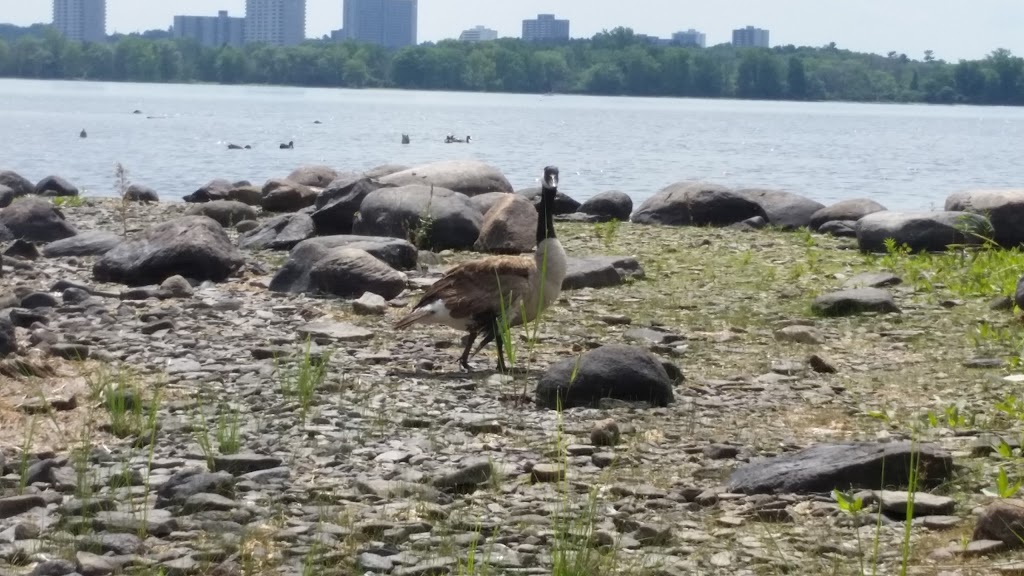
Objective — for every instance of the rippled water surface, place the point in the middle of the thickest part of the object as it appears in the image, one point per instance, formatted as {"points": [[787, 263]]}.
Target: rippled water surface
{"points": [[905, 156]]}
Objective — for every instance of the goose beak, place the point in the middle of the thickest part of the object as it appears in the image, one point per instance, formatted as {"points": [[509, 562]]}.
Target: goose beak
{"points": [[551, 180]]}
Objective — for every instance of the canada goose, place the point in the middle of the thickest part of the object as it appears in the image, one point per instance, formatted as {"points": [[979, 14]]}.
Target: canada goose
{"points": [[405, 138], [288, 146], [471, 295], [234, 147], [82, 134]]}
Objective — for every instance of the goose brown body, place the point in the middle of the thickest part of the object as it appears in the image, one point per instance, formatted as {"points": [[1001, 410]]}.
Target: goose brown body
{"points": [[476, 295]]}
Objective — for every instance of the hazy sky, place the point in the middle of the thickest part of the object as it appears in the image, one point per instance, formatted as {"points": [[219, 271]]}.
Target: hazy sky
{"points": [[952, 28]]}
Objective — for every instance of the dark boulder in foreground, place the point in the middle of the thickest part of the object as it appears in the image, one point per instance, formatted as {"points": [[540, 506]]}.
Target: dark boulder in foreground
{"points": [[854, 301], [36, 220], [437, 218], [337, 205], [55, 186], [928, 231], [89, 243], [195, 247], [279, 233], [849, 466], [853, 209], [784, 210], [696, 204], [16, 182], [349, 272], [294, 275], [612, 371], [1002, 520], [610, 205], [469, 177], [1003, 208]]}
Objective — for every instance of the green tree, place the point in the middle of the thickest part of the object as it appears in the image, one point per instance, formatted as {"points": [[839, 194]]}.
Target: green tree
{"points": [[796, 79]]}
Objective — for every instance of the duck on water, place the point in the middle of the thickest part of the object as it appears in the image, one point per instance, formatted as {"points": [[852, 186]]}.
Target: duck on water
{"points": [[473, 295]]}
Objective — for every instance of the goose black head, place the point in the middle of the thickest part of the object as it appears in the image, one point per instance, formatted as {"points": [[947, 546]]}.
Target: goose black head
{"points": [[550, 181]]}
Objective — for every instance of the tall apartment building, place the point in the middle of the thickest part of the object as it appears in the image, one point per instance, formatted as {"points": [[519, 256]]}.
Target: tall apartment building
{"points": [[277, 22], [211, 30], [390, 23], [750, 37], [478, 34], [545, 27], [690, 37], [81, 20]]}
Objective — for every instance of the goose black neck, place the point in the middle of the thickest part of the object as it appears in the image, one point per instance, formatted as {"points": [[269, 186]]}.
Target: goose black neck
{"points": [[546, 215]]}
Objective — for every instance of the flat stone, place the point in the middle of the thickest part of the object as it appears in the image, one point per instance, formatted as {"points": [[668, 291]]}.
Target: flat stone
{"points": [[854, 301], [925, 504], [340, 331], [799, 335], [547, 473]]}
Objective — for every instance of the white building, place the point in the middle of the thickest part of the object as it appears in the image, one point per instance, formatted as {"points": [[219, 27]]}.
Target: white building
{"points": [[478, 34], [277, 22], [81, 20]]}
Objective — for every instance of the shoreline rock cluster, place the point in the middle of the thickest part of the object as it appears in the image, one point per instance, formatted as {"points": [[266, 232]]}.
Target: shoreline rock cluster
{"points": [[212, 302]]}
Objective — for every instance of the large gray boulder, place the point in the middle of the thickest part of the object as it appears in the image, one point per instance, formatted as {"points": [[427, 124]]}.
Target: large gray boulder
{"points": [[36, 220], [564, 204], [928, 231], [227, 213], [1004, 208], [88, 243], [279, 233], [437, 218], [313, 175], [141, 193], [216, 189], [287, 196], [337, 205], [484, 202], [610, 205], [852, 209], [55, 186], [349, 272], [470, 177], [294, 275], [509, 228], [16, 182], [6, 196], [785, 210], [195, 247], [383, 170], [697, 204]]}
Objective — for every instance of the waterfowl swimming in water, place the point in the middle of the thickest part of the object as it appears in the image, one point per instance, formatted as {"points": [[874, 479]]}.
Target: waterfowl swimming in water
{"points": [[82, 134], [288, 146]]}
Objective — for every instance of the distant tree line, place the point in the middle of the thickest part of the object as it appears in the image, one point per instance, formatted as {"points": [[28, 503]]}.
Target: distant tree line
{"points": [[615, 62]]}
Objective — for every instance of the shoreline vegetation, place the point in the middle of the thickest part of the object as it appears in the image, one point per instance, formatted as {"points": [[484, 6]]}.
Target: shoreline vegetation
{"points": [[612, 63]]}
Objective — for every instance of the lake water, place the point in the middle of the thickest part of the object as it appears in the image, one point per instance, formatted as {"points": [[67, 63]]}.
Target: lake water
{"points": [[905, 156]]}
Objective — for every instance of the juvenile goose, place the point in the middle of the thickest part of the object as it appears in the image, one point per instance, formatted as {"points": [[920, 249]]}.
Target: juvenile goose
{"points": [[468, 296]]}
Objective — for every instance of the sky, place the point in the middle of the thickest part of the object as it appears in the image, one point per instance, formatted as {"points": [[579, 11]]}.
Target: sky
{"points": [[953, 29]]}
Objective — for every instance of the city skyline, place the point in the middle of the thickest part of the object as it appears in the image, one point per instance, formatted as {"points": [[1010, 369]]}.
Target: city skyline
{"points": [[953, 30]]}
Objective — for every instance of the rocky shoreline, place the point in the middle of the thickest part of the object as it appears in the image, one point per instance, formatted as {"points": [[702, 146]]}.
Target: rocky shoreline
{"points": [[214, 386]]}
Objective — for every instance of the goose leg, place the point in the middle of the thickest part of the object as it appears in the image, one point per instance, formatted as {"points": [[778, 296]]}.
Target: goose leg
{"points": [[464, 360], [501, 355]]}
